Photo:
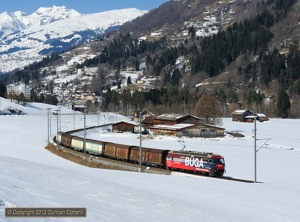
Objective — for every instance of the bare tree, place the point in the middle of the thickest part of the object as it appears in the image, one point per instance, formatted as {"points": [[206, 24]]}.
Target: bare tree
{"points": [[208, 110]]}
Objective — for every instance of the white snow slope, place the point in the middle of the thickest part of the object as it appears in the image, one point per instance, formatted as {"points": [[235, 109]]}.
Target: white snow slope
{"points": [[25, 39], [31, 176]]}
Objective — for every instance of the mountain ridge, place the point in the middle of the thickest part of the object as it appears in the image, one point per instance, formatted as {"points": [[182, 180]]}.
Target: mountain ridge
{"points": [[25, 38]]}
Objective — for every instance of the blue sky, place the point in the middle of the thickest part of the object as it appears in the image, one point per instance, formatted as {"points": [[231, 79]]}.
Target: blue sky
{"points": [[82, 6]]}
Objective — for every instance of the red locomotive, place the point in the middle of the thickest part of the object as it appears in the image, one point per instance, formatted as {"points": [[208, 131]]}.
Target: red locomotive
{"points": [[196, 162]]}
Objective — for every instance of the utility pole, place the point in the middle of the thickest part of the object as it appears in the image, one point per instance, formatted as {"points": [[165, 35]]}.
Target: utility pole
{"points": [[98, 115], [140, 115], [48, 123], [255, 149], [116, 113], [57, 121], [59, 118], [84, 140], [74, 118]]}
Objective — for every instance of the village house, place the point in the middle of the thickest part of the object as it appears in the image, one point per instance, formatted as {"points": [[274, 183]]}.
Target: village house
{"points": [[87, 96], [181, 125], [171, 119], [240, 115], [248, 116], [124, 126], [188, 130]]}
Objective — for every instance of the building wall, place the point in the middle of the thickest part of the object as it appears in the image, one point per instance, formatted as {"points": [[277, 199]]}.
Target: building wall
{"points": [[205, 132], [163, 122], [185, 119], [241, 116], [163, 132], [188, 119], [201, 131], [19, 88], [124, 127]]}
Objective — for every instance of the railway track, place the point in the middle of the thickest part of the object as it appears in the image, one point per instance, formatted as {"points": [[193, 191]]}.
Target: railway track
{"points": [[238, 180], [106, 163]]}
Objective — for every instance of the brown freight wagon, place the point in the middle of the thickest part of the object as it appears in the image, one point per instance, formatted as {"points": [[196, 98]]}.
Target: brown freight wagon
{"points": [[135, 154], [66, 139], [110, 150], [149, 156], [122, 152], [157, 157], [117, 151]]}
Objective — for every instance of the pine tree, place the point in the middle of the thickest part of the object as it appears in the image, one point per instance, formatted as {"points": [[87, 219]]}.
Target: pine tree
{"points": [[2, 89], [129, 80], [283, 103]]}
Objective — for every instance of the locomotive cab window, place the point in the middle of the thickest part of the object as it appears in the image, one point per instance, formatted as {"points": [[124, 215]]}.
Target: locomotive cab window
{"points": [[169, 157], [219, 161]]}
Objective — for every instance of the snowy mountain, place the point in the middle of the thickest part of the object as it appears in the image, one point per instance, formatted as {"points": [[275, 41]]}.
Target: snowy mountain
{"points": [[27, 38]]}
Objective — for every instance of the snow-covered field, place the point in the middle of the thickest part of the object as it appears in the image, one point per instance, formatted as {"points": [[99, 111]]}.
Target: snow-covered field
{"points": [[31, 176]]}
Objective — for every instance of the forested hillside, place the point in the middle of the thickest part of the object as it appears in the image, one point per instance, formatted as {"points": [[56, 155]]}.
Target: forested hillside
{"points": [[247, 64]]}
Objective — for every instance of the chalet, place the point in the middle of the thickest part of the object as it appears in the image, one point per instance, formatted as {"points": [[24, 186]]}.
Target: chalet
{"points": [[240, 115], [87, 96], [188, 130], [172, 119], [124, 126]]}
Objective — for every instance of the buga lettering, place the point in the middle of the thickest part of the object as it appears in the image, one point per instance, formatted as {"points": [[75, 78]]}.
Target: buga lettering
{"points": [[191, 161]]}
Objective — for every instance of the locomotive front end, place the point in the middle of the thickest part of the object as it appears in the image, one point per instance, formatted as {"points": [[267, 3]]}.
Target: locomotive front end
{"points": [[219, 165]]}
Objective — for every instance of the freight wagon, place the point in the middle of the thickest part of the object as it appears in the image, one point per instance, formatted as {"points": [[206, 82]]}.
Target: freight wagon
{"points": [[94, 146], [117, 151], [154, 157], [77, 143]]}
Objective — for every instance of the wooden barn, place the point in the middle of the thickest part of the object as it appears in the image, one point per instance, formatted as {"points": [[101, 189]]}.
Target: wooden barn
{"points": [[188, 130], [172, 119], [124, 126], [240, 115]]}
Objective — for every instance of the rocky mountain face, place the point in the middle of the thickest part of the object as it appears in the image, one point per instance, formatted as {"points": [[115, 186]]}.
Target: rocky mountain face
{"points": [[25, 39]]}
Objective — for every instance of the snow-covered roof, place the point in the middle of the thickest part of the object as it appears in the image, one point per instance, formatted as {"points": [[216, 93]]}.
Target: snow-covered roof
{"points": [[127, 121], [261, 115], [172, 116], [241, 111], [172, 127]]}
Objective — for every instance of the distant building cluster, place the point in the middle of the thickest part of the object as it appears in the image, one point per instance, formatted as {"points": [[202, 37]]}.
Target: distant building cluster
{"points": [[170, 124], [18, 88], [248, 116]]}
